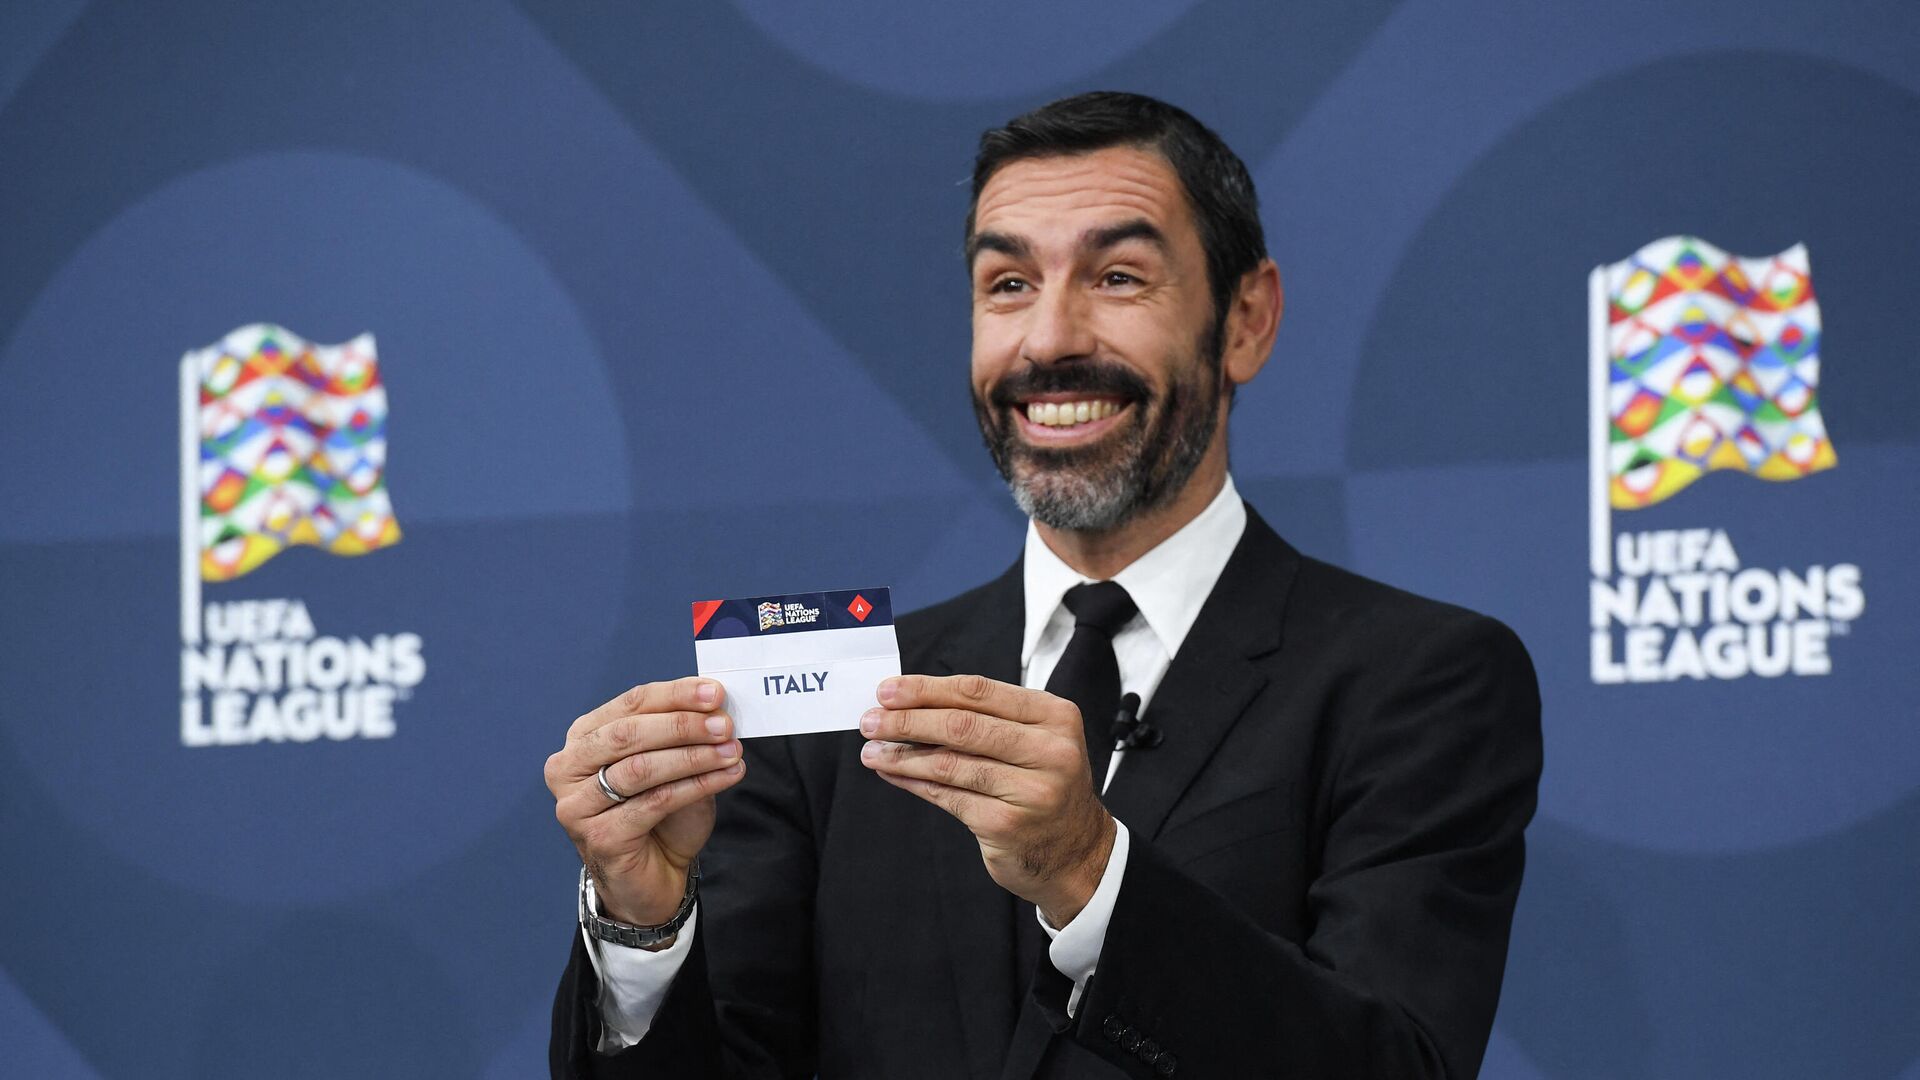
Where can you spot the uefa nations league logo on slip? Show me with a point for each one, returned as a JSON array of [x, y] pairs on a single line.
[[283, 443], [1702, 361]]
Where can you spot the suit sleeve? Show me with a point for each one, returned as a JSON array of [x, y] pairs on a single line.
[[1431, 779], [741, 1006]]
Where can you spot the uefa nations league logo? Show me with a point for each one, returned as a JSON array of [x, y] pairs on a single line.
[[1702, 361], [283, 443]]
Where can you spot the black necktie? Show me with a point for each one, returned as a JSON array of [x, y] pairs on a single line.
[[1088, 674]]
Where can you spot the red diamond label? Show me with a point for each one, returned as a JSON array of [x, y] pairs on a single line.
[[860, 608]]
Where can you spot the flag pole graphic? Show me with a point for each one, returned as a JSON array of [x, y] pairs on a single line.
[[189, 500], [1599, 509]]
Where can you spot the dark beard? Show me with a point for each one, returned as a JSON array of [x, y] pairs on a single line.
[[1138, 468]]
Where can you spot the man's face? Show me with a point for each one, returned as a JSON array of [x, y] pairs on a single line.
[[1096, 366]]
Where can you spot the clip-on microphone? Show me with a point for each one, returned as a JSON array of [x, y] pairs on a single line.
[[1129, 731]]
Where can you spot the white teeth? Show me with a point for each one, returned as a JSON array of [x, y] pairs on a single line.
[[1067, 414]]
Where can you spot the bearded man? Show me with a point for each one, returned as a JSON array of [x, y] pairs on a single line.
[[1167, 798]]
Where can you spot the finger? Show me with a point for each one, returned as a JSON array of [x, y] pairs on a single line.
[[576, 764], [584, 800], [966, 806], [631, 735], [975, 693], [994, 779], [621, 827], [691, 693], [611, 831], [961, 729], [633, 775]]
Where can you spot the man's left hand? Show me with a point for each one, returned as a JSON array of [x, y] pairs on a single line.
[[1011, 764]]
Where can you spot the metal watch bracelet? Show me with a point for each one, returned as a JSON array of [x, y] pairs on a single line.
[[635, 937]]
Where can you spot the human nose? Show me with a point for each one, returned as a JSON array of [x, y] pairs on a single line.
[[1058, 328]]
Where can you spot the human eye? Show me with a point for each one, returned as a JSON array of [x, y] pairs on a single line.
[[1008, 285], [1119, 279]]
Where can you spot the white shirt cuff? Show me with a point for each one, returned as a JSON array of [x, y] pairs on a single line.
[[1075, 951], [633, 983]]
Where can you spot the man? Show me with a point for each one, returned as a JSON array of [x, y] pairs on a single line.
[[1304, 864]]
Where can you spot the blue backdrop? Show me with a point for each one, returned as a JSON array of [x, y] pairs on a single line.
[[669, 305]]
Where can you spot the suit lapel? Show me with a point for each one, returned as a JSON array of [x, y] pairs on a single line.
[[979, 914], [1211, 681], [1207, 687]]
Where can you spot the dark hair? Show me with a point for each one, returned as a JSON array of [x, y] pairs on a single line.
[[1219, 190]]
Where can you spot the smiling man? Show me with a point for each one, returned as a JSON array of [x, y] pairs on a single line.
[[1099, 395], [1167, 798]]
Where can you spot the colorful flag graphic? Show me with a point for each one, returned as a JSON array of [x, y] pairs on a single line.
[[770, 616], [293, 448], [1713, 362]]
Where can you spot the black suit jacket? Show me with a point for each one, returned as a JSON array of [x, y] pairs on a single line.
[[1326, 851]]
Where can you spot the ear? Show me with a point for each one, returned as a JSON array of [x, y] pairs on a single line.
[[1252, 320]]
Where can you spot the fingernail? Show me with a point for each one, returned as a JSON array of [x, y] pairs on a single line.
[[734, 769], [708, 693], [716, 726], [728, 750], [870, 721], [889, 689], [870, 751]]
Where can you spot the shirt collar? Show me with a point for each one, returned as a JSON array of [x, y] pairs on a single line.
[[1169, 583]]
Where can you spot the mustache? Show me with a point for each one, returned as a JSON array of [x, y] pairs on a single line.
[[1093, 378]]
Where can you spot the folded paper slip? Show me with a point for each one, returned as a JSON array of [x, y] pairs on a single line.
[[798, 662]]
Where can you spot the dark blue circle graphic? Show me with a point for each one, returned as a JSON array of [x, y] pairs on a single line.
[[505, 469], [1470, 417], [962, 52]]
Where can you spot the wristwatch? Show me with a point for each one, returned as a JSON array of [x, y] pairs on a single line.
[[635, 937]]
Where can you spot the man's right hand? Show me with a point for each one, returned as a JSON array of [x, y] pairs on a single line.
[[669, 750]]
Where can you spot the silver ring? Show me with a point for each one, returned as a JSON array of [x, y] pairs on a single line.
[[606, 788]]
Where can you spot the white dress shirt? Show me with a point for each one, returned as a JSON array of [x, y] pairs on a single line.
[[1168, 584]]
